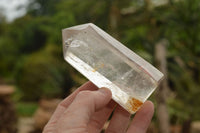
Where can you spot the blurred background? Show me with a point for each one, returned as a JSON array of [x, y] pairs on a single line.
[[34, 76]]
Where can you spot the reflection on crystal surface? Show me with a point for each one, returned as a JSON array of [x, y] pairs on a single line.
[[106, 66]]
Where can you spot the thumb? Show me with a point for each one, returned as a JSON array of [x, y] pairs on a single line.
[[88, 102]]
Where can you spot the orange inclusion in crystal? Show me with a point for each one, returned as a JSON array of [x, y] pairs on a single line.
[[135, 104], [95, 69]]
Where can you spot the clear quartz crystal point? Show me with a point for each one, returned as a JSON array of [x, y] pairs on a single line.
[[108, 63]]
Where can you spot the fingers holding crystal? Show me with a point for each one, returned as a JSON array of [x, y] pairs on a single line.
[[142, 118], [87, 103], [67, 101], [100, 117], [119, 121]]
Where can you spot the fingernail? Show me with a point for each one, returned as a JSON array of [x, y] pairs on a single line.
[[104, 90]]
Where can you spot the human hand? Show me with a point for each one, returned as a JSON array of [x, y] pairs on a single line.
[[88, 108]]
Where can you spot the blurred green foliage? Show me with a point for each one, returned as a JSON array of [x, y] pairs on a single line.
[[31, 51], [26, 108], [43, 74]]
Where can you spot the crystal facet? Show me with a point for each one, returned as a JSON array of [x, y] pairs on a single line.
[[108, 63]]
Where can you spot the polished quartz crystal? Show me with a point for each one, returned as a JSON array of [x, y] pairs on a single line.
[[108, 63]]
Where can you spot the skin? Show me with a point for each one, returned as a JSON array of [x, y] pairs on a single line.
[[88, 108]]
